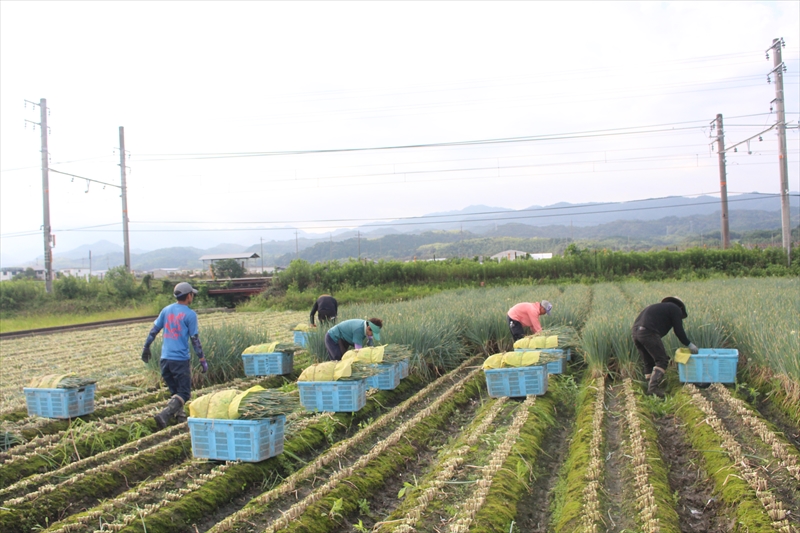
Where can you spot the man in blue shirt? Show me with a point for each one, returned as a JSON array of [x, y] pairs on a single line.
[[180, 326], [354, 332]]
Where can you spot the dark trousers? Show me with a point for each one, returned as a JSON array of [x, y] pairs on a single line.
[[516, 329], [335, 349], [178, 377], [651, 349], [327, 318]]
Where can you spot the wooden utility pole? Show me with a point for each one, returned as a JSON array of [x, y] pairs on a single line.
[[262, 254], [723, 182], [122, 168], [296, 245], [783, 162], [359, 244]]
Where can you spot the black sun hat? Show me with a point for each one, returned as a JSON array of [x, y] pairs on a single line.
[[677, 301]]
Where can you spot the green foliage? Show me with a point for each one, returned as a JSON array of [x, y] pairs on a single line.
[[122, 284], [228, 268], [16, 294], [597, 265]]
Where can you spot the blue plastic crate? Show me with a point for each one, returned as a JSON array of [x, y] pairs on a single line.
[[388, 379], [333, 396], [553, 367], [404, 368], [711, 365], [60, 403], [301, 338], [519, 381], [237, 440], [267, 364]]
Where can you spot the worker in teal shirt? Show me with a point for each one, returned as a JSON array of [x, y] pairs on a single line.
[[355, 332]]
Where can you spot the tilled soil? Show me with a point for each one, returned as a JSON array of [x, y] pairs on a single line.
[[617, 483], [697, 508], [533, 511]]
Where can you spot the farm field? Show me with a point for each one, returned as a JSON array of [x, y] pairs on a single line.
[[437, 453]]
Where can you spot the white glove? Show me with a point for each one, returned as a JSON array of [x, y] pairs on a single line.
[[693, 348]]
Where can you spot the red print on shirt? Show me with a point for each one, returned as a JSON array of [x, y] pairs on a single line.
[[172, 329]]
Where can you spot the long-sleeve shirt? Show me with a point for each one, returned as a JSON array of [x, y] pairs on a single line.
[[353, 331], [327, 307], [660, 318], [527, 314]]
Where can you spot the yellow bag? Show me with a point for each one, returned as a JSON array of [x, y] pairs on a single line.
[[50, 381], [512, 359], [328, 371], [537, 342], [682, 355], [370, 354], [493, 361], [268, 347], [302, 327], [517, 359], [222, 404]]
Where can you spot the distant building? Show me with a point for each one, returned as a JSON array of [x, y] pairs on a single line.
[[76, 272], [511, 255], [7, 273], [162, 273], [242, 258]]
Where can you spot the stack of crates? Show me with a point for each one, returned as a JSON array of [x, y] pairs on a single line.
[[60, 403], [237, 440], [710, 365], [267, 364], [345, 396], [516, 381], [301, 338]]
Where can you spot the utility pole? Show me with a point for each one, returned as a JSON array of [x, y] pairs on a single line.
[[296, 245], [723, 182], [359, 244], [262, 254], [125, 238], [46, 228], [331, 246], [90, 265], [783, 163]]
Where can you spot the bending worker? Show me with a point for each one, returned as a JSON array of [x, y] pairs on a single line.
[[180, 326], [527, 314], [326, 307], [653, 323], [355, 332]]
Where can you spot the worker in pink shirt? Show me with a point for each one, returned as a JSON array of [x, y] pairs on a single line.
[[527, 314]]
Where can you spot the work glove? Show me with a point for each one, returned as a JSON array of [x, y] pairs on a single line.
[[146, 354], [204, 365], [693, 348]]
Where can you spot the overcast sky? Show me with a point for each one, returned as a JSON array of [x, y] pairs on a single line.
[[612, 101]]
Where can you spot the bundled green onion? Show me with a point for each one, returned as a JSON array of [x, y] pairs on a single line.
[[567, 335], [362, 371], [394, 353], [266, 404], [74, 382]]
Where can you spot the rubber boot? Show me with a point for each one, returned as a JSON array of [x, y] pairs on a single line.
[[654, 386], [181, 416], [175, 404]]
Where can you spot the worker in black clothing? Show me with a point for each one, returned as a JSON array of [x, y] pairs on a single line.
[[653, 323], [326, 307]]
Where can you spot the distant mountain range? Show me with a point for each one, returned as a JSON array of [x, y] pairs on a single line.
[[473, 229]]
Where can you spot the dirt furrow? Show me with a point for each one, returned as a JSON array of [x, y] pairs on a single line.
[[616, 492], [697, 507], [533, 511]]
